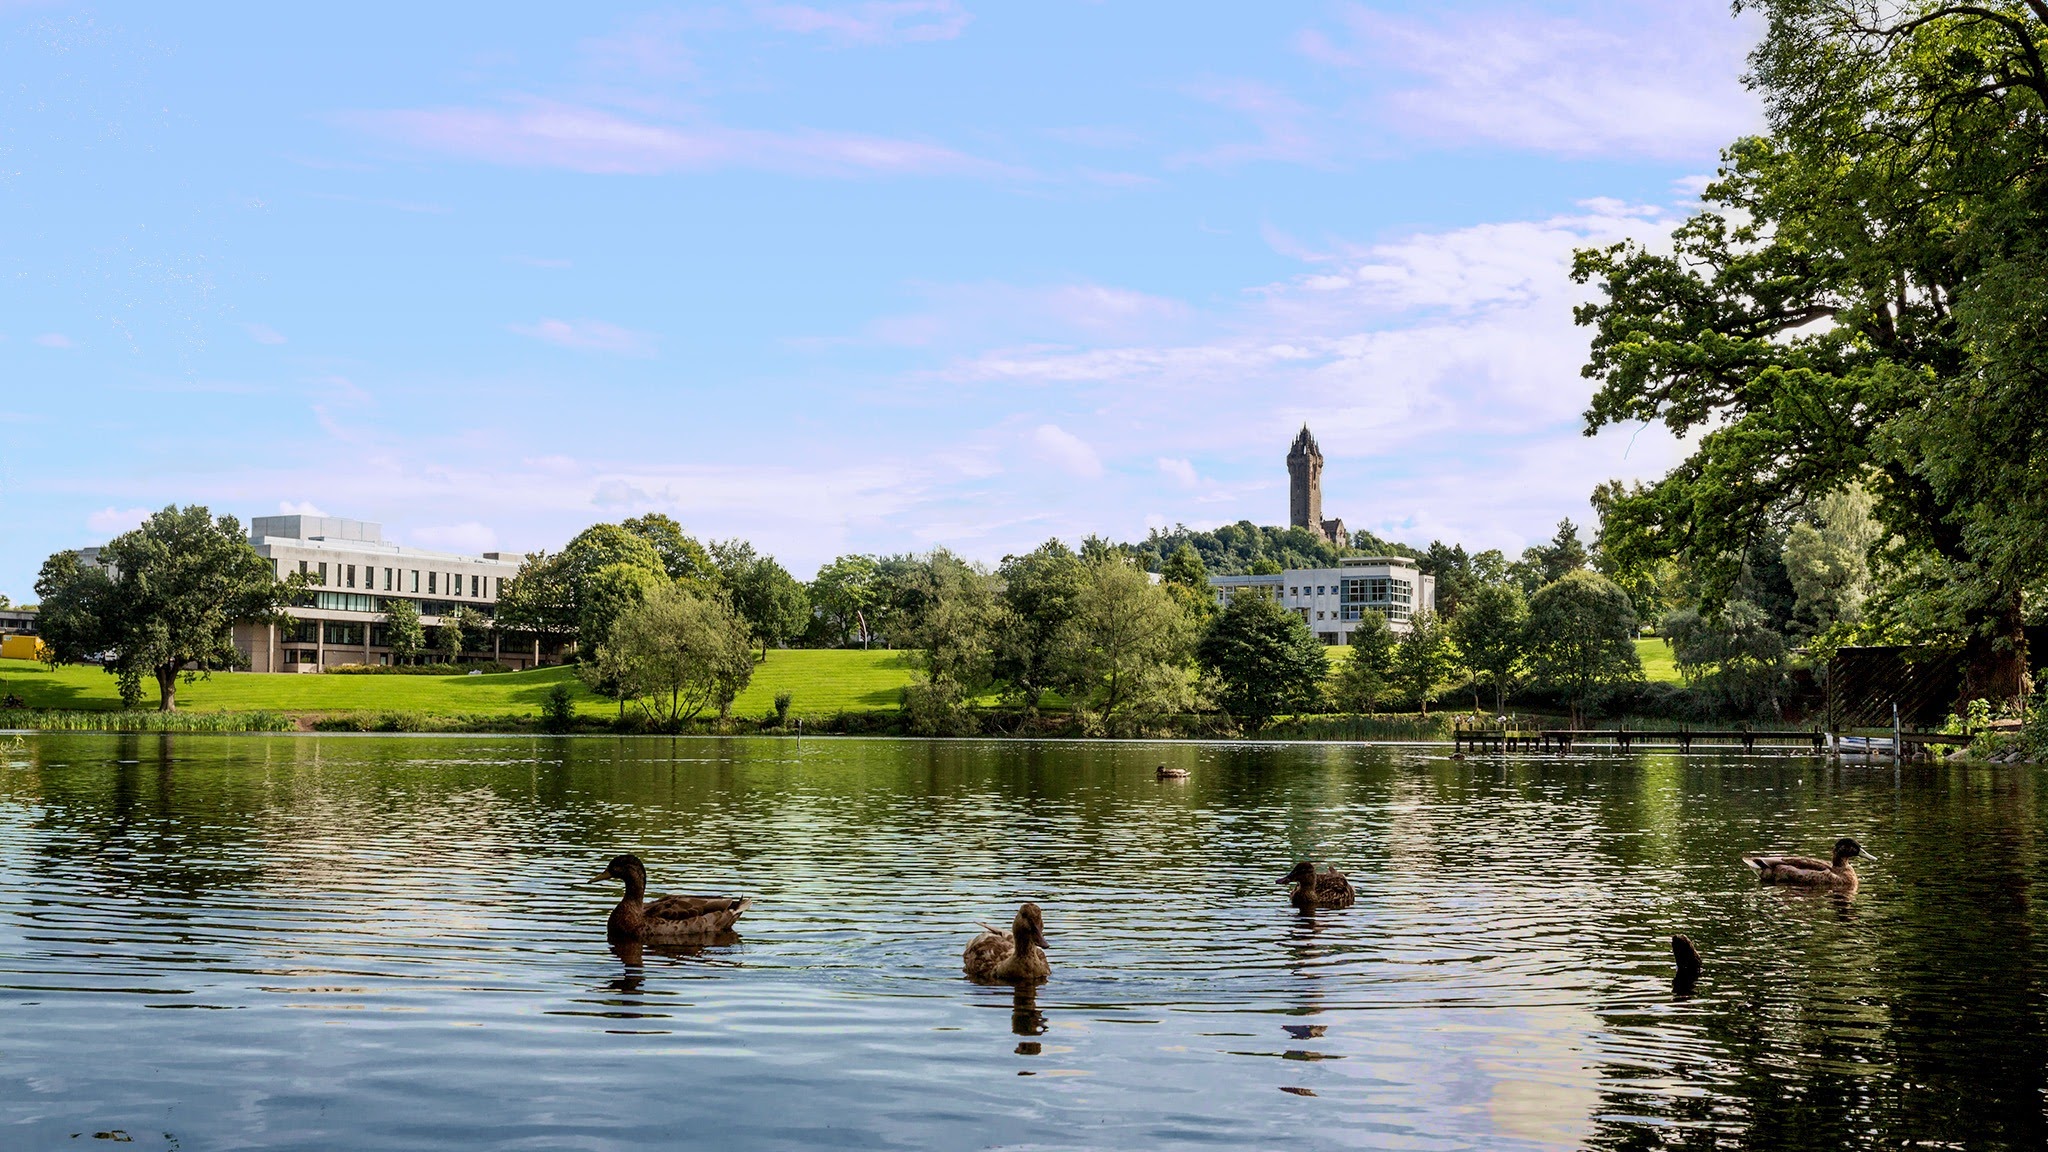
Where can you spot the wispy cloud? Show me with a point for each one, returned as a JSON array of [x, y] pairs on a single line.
[[55, 340], [1286, 129], [263, 334], [1658, 78], [590, 336], [299, 508], [585, 138], [1440, 372], [1065, 451], [114, 521], [870, 22]]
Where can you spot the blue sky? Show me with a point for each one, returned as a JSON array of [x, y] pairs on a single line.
[[868, 276]]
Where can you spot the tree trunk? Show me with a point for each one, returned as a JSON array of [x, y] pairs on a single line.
[[167, 687]]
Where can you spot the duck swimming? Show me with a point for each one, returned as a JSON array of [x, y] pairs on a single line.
[[1165, 773], [1809, 872], [665, 919], [1014, 956], [1313, 889]]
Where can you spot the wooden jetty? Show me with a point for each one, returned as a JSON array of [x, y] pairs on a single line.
[[1477, 739]]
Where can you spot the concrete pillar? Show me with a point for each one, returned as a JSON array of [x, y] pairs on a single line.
[[320, 646]]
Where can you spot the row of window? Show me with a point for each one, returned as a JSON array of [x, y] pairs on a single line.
[[345, 635], [358, 602], [395, 579]]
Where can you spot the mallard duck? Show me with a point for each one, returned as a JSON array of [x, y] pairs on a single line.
[[1313, 889], [1165, 773], [1014, 956], [1686, 957], [666, 919], [1809, 872]]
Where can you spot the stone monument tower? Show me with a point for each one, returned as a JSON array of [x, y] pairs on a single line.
[[1305, 490], [1305, 483]]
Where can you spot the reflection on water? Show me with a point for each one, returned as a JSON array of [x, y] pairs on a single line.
[[384, 943]]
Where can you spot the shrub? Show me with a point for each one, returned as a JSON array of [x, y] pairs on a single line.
[[558, 711], [782, 709]]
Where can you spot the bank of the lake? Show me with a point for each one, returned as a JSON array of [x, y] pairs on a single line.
[[829, 689]]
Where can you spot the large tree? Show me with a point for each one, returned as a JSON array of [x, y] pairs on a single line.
[[1039, 592], [682, 557], [950, 619], [164, 599], [1423, 657], [676, 653], [774, 604], [1490, 631], [1861, 301], [1582, 637], [1268, 660], [844, 592], [1363, 680], [1124, 648]]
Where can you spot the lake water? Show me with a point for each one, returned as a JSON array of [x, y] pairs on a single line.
[[388, 942]]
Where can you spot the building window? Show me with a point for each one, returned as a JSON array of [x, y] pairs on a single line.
[[432, 577], [415, 579], [323, 573], [501, 588], [302, 567], [473, 581], [387, 579], [348, 577]]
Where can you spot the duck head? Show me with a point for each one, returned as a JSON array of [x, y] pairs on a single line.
[[1029, 927], [1847, 849], [1303, 873], [627, 868]]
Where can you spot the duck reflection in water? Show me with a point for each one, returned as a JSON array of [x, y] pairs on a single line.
[[1026, 1019]]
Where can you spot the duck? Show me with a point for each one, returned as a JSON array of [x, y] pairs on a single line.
[[1165, 773], [1313, 889], [1809, 872], [1016, 956], [665, 919]]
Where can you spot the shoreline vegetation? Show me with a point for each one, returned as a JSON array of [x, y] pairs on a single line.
[[831, 692]]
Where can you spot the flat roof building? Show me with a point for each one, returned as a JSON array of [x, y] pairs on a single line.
[[354, 573], [1333, 600]]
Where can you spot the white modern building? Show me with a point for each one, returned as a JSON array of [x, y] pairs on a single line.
[[1332, 600], [354, 573]]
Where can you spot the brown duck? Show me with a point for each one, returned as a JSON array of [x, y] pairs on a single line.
[[1313, 889], [1015, 956], [1809, 872], [665, 919]]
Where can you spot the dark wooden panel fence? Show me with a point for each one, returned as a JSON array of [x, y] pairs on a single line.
[[1863, 684]]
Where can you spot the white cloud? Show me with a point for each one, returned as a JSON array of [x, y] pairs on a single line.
[[1440, 372], [263, 334], [1658, 78], [114, 521], [299, 508], [589, 336], [870, 22], [1182, 471], [1066, 451], [55, 340], [585, 138]]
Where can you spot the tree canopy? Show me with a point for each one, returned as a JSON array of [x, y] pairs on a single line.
[[163, 600], [1266, 657], [1860, 302]]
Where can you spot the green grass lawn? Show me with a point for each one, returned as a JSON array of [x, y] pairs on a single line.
[[820, 682], [1658, 666]]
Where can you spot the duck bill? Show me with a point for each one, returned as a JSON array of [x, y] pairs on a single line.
[[1862, 855], [600, 878]]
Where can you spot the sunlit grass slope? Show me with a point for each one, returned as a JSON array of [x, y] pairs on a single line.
[[820, 682]]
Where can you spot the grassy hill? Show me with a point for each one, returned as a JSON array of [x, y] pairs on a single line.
[[819, 681]]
